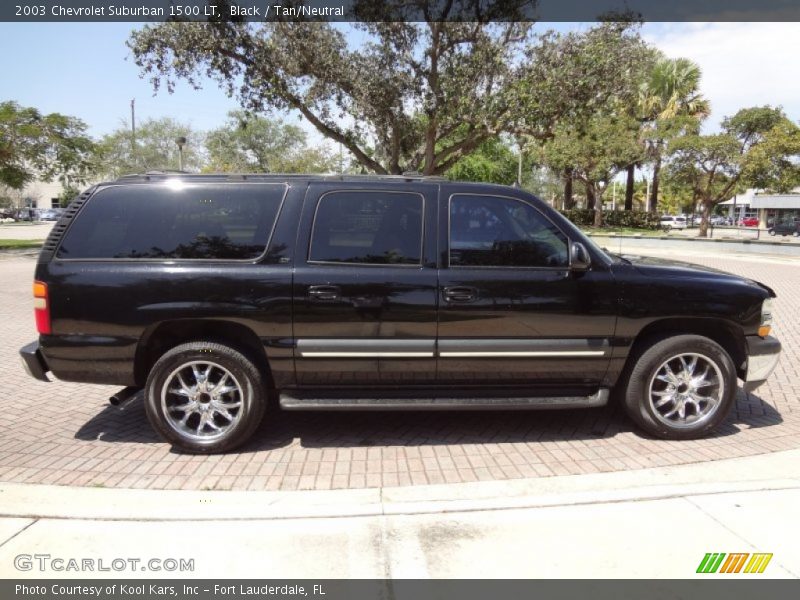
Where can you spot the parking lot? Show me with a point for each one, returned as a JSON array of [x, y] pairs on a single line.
[[67, 434]]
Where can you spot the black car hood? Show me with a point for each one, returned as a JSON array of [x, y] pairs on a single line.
[[650, 266]]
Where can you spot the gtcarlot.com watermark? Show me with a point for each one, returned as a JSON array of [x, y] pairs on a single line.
[[47, 563]]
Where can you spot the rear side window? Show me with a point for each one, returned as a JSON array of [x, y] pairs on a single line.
[[166, 220], [368, 227]]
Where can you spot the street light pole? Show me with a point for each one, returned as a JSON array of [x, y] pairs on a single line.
[[181, 142]]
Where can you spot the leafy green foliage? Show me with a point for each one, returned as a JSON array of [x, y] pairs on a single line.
[[68, 194], [670, 105], [452, 73], [572, 77], [758, 147], [154, 148], [596, 151], [44, 147], [252, 144], [492, 162]]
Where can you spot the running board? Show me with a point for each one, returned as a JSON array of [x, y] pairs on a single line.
[[288, 402]]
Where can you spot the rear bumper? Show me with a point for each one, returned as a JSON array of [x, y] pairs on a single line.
[[34, 362], [762, 357]]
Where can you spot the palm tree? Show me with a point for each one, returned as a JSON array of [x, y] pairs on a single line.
[[670, 103]]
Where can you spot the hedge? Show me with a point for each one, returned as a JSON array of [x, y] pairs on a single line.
[[584, 217]]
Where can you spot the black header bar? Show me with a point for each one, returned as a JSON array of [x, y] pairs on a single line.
[[40, 11]]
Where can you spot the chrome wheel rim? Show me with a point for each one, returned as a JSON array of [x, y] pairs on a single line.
[[686, 390], [202, 401]]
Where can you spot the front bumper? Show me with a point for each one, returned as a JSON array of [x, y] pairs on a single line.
[[34, 362], [762, 357]]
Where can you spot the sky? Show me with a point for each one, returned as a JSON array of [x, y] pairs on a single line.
[[86, 70]]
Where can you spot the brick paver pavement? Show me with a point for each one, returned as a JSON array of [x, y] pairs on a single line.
[[67, 434]]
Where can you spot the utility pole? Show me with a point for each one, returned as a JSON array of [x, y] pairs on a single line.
[[133, 129]]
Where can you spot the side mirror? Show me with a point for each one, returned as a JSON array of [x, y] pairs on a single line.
[[579, 259]]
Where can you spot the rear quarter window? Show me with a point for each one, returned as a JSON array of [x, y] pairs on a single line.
[[169, 221]]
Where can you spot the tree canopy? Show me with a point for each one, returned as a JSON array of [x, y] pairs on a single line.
[[38, 146], [757, 147], [249, 143], [153, 148], [405, 91], [594, 152], [412, 95]]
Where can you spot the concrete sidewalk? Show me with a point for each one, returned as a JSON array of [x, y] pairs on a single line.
[[26, 231], [648, 523]]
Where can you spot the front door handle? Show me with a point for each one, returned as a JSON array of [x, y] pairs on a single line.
[[460, 294], [324, 292]]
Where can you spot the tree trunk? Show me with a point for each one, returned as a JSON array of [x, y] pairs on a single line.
[[590, 200], [569, 200], [598, 208], [629, 187], [653, 201], [704, 220]]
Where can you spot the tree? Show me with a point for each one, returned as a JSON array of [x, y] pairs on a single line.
[[492, 162], [671, 105], [252, 144], [153, 149], [576, 75], [757, 147], [595, 152], [421, 94], [36, 146], [573, 76]]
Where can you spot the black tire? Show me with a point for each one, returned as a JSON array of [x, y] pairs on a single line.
[[772, 232], [648, 363], [176, 365]]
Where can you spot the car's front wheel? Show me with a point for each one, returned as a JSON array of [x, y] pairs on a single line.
[[772, 232], [680, 387], [205, 397]]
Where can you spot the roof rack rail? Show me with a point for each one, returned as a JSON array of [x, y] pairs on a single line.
[[406, 176]]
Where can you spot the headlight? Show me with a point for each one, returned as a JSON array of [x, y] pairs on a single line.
[[766, 318]]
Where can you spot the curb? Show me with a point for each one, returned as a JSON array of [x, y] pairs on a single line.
[[778, 471]]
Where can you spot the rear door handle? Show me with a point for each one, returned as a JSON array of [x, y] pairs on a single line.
[[324, 292], [460, 294]]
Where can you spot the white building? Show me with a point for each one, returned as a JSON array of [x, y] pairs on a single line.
[[774, 208], [739, 206], [767, 207], [41, 194]]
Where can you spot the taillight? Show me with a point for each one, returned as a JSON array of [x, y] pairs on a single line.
[[41, 307]]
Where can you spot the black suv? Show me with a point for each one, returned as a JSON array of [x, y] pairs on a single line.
[[222, 294]]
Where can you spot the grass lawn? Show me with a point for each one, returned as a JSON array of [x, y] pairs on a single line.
[[20, 244]]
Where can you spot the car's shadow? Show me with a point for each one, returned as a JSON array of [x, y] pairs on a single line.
[[368, 429]]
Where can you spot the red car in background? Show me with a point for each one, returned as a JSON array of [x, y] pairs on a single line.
[[749, 222]]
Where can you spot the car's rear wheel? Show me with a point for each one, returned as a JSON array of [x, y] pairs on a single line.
[[796, 233], [205, 397], [681, 387], [772, 232]]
